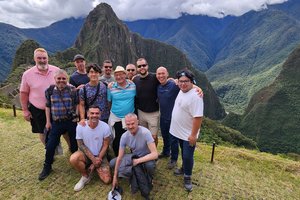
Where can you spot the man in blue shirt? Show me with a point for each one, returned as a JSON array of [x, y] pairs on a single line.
[[79, 78], [121, 97]]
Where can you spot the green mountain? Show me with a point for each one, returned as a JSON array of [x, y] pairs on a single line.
[[104, 36], [273, 114]]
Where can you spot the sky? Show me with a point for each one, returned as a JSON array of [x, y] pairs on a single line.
[[41, 13]]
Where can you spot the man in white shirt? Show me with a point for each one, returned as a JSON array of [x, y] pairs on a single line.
[[186, 122]]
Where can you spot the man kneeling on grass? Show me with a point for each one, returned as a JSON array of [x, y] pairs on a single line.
[[93, 141]]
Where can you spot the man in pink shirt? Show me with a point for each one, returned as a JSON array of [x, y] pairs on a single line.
[[32, 91]]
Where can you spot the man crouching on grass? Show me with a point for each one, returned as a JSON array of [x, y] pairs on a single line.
[[93, 141]]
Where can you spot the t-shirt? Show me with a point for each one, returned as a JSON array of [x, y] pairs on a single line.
[[166, 98], [138, 143], [93, 138], [35, 84], [101, 99], [77, 79], [146, 93], [122, 99], [187, 106], [107, 79]]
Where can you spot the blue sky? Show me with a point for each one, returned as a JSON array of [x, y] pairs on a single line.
[[40, 13]]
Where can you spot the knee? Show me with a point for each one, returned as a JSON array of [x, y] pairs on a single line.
[[74, 159]]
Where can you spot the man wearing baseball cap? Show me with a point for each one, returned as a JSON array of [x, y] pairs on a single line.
[[79, 78]]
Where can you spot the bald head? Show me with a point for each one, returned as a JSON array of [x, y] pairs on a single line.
[[162, 75]]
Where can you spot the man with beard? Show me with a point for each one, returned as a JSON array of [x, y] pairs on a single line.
[[32, 91], [61, 105], [79, 78], [107, 69], [146, 98], [131, 71], [93, 141]]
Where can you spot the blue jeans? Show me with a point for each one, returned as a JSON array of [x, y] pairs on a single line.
[[170, 142], [187, 154], [57, 129]]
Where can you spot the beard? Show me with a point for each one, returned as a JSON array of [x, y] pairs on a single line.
[[42, 66]]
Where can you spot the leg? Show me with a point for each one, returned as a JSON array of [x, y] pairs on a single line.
[[104, 172], [164, 128], [78, 162], [188, 158], [118, 133], [67, 139], [71, 129], [152, 120], [150, 167], [174, 148]]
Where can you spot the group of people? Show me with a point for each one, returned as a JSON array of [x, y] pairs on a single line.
[[100, 108]]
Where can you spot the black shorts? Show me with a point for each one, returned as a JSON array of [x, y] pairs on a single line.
[[38, 119]]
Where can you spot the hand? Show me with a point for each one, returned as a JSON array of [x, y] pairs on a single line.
[[199, 91], [48, 125], [82, 122], [97, 162], [91, 168], [135, 162], [192, 140], [27, 115], [80, 86], [109, 86]]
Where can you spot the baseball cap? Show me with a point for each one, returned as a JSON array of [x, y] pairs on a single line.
[[78, 56]]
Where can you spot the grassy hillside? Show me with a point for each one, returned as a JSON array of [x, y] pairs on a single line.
[[236, 173]]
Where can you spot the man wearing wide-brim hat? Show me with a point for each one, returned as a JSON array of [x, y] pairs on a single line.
[[121, 96]]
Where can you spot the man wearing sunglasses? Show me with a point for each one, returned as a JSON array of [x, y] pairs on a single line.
[[131, 71], [107, 69], [146, 98]]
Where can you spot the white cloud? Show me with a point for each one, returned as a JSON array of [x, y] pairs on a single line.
[[38, 13]]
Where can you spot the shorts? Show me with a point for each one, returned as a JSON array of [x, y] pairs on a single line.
[[38, 119], [149, 120]]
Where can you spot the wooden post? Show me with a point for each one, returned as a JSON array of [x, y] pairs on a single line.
[[213, 152], [14, 109]]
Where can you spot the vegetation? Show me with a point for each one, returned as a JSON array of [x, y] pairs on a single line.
[[236, 173]]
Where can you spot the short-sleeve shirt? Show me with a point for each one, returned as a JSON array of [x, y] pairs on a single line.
[[122, 99], [107, 80], [166, 95], [187, 106], [146, 93], [77, 79], [101, 99], [61, 102], [93, 138], [138, 143], [35, 84]]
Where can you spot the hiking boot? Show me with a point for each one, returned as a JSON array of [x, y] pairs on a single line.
[[172, 164], [59, 150], [178, 172], [188, 183], [45, 173], [81, 183], [161, 155]]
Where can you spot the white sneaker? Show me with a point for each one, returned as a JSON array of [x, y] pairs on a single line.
[[81, 183], [59, 150]]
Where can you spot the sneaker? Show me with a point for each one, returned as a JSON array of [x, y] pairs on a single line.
[[45, 173], [161, 155], [188, 183], [59, 150], [172, 164], [178, 172], [81, 183]]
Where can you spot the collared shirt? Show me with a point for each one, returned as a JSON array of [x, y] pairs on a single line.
[[35, 83], [122, 98], [61, 102]]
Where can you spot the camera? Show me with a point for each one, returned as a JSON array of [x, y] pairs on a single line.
[[72, 115]]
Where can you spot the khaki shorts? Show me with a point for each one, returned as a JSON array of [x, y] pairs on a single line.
[[149, 120]]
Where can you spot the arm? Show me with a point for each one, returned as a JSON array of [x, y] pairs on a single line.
[[151, 156], [24, 99], [197, 121], [48, 117], [103, 149], [81, 113], [118, 163], [85, 150]]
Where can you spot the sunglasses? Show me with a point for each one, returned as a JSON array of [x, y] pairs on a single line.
[[130, 70], [144, 65], [108, 67], [61, 78]]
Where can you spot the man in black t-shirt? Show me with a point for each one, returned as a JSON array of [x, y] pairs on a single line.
[[146, 98]]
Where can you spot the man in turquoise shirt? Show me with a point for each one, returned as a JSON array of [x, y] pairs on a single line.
[[121, 96]]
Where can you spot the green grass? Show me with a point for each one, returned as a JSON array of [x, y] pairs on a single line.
[[236, 173]]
